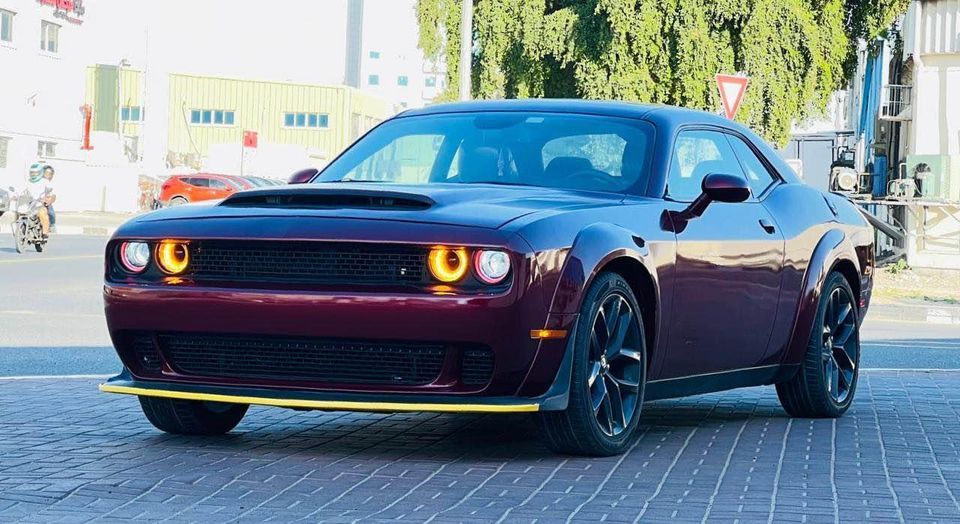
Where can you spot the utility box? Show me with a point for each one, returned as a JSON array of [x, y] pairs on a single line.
[[939, 175]]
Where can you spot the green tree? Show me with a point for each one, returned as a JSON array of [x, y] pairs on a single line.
[[796, 52]]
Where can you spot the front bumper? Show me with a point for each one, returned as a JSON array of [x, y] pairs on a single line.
[[126, 384], [523, 367]]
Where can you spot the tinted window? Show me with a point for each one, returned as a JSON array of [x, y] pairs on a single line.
[[757, 174], [199, 182], [535, 149], [697, 154], [217, 184]]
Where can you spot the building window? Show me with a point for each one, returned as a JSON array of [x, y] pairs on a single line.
[[131, 114], [375, 55], [6, 25], [430, 81], [306, 120], [373, 80], [212, 117], [46, 149], [4, 143], [49, 37], [403, 81]]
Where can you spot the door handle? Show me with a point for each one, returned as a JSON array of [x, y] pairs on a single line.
[[767, 226]]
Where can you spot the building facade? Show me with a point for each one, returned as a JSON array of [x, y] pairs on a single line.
[[41, 78]]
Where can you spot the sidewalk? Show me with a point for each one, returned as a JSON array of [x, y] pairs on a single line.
[[80, 223]]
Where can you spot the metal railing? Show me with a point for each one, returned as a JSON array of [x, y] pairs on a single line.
[[895, 102]]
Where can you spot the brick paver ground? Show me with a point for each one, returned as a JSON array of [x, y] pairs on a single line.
[[69, 453]]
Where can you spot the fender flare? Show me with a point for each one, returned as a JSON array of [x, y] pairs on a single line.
[[595, 247], [833, 247]]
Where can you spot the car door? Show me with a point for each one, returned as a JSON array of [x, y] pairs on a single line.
[[220, 188], [728, 266]]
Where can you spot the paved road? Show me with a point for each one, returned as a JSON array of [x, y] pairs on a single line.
[[728, 457], [70, 453], [70, 336]]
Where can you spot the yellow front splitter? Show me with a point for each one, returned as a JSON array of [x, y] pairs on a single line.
[[333, 405]]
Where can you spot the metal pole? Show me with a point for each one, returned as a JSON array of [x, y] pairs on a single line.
[[466, 48]]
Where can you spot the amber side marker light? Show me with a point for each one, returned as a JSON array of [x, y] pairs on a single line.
[[539, 334], [173, 257], [448, 265]]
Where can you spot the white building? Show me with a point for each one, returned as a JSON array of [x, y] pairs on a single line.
[[931, 128], [42, 68], [391, 64]]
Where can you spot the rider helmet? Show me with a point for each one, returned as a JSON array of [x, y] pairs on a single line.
[[36, 171]]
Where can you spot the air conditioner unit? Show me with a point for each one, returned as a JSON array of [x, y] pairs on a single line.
[[938, 176]]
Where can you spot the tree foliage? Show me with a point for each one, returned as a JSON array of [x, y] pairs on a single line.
[[796, 52]]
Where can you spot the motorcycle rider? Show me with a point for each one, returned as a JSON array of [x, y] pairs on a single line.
[[48, 173], [40, 188]]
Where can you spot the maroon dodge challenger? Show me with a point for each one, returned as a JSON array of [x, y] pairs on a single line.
[[569, 258]]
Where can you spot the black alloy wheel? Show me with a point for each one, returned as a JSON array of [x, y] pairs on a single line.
[[826, 382], [609, 367], [615, 365]]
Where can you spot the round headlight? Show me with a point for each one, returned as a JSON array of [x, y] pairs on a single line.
[[448, 265], [173, 257], [492, 266], [134, 256]]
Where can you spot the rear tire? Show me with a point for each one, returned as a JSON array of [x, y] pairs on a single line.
[[178, 201], [827, 380], [39, 247], [192, 417], [608, 376]]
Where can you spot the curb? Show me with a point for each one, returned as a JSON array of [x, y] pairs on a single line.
[[948, 314]]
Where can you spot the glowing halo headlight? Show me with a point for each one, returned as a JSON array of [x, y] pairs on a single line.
[[492, 266], [173, 257], [134, 256], [448, 264]]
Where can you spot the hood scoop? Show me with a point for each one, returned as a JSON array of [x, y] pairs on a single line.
[[310, 198]]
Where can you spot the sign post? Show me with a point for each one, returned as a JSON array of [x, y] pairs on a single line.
[[250, 140], [732, 88]]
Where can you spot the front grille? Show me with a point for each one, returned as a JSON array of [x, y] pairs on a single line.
[[145, 351], [307, 262], [303, 359], [477, 367]]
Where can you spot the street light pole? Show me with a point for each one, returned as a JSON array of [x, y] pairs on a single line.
[[466, 48], [123, 63]]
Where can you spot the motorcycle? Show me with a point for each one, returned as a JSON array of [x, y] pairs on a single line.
[[26, 222]]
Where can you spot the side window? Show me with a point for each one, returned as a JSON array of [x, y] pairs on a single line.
[[757, 174], [696, 155], [217, 184], [199, 182]]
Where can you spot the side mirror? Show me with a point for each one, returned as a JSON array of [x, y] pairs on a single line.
[[303, 176], [725, 188], [716, 187]]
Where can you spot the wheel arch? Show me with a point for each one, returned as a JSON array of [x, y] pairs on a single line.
[[834, 252], [605, 247]]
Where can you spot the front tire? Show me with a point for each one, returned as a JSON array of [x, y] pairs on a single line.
[[827, 380], [192, 417], [608, 376]]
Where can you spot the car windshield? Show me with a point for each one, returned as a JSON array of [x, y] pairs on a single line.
[[532, 149]]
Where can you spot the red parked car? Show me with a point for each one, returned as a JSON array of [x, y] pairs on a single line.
[[183, 189]]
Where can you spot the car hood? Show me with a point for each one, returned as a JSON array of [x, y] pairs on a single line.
[[477, 205]]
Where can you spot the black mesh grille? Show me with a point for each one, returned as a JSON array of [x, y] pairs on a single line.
[[477, 367], [307, 262], [145, 352], [307, 359]]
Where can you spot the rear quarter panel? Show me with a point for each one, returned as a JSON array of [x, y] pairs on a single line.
[[816, 239]]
